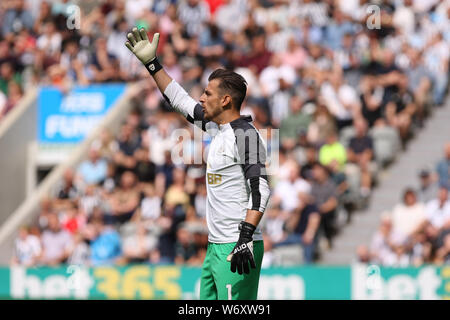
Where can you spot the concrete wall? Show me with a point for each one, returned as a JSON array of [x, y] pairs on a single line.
[[17, 131]]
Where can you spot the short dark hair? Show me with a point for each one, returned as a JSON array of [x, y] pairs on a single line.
[[407, 191], [232, 83]]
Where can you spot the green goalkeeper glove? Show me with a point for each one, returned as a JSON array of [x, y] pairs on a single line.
[[140, 45]]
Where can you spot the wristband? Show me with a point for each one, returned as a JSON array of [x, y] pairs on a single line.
[[247, 229], [153, 66]]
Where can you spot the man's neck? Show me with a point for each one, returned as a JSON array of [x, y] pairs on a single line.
[[224, 118]]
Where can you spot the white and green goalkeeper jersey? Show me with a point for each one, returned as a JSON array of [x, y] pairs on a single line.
[[236, 176]]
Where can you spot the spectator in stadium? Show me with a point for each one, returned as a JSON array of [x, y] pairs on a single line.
[[44, 14], [118, 28], [57, 77], [337, 28], [363, 254], [399, 256], [46, 208], [443, 167], [27, 249], [294, 55], [307, 32], [161, 141], [185, 249], [323, 191], [322, 123], [403, 17], [110, 182], [93, 170], [56, 243], [128, 141], [90, 199], [428, 186], [401, 109], [437, 59], [73, 61], [49, 43], [340, 180], [319, 63], [125, 200], [340, 98], [421, 250], [176, 194], [106, 144], [371, 101], [419, 81], [105, 243], [72, 220], [277, 37], [138, 244], [332, 150], [231, 10], [443, 253], [388, 74], [14, 95], [194, 14], [149, 210], [104, 66], [171, 65], [291, 192], [347, 57], [302, 227], [276, 84], [79, 251], [16, 17], [258, 57], [438, 213], [167, 18], [297, 122], [360, 155], [3, 100], [8, 74], [273, 224], [211, 42], [408, 217], [311, 155], [382, 240]]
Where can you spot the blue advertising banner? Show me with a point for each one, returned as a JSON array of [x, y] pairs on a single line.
[[68, 118]]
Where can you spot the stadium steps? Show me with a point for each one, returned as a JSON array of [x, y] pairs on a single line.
[[424, 150]]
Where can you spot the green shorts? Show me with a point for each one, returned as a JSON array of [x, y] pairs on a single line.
[[217, 280]]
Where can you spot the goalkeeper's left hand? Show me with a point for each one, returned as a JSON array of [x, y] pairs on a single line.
[[140, 45], [242, 254]]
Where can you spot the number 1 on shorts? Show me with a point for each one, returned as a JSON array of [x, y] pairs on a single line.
[[228, 286]]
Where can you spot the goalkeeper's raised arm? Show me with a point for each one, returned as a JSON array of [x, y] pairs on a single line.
[[139, 44]]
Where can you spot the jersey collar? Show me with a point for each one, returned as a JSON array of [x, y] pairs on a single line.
[[245, 117], [224, 126]]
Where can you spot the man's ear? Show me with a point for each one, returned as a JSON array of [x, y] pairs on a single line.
[[226, 101]]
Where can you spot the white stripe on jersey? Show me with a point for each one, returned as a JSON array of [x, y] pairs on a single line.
[[179, 99]]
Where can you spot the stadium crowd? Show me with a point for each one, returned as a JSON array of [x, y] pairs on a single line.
[[417, 230], [347, 86]]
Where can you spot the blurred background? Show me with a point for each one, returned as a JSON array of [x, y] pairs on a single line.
[[94, 206]]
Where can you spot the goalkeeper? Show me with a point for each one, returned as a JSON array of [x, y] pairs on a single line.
[[237, 185]]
